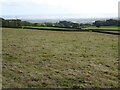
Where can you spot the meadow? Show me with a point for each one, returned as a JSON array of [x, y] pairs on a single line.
[[53, 59], [50, 28], [104, 27]]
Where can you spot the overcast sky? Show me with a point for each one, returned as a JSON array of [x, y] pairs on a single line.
[[59, 8]]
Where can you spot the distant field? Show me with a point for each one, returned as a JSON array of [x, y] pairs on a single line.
[[51, 59], [109, 28], [104, 27], [57, 28]]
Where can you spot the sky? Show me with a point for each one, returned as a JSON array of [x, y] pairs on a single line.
[[58, 8]]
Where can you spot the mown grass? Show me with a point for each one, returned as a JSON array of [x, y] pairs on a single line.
[[51, 59], [104, 27]]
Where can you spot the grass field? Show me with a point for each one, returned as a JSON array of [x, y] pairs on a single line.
[[54, 28], [51, 59], [104, 27]]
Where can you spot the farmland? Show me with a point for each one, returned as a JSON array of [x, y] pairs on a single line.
[[104, 27], [53, 59]]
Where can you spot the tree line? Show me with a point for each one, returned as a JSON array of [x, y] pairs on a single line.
[[17, 23], [14, 23], [110, 22], [62, 24]]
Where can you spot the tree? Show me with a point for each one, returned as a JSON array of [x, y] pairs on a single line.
[[65, 23], [35, 24], [48, 24], [98, 24], [75, 25], [110, 22]]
